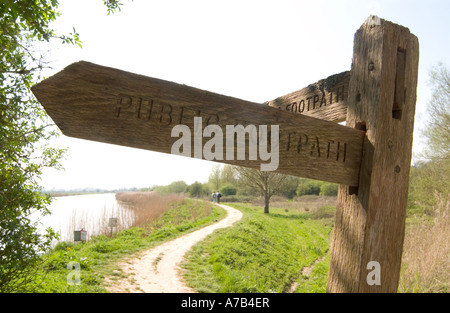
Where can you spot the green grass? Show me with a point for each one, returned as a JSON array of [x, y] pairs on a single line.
[[262, 252], [97, 257], [317, 281]]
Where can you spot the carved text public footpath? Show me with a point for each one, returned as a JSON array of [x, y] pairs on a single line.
[[187, 121]]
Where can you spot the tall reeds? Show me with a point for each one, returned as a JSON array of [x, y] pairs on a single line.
[[100, 224], [132, 209], [426, 252], [148, 206]]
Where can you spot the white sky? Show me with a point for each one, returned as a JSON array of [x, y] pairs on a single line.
[[253, 50]]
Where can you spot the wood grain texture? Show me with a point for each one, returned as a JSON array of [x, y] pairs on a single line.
[[370, 219], [103, 104], [325, 99]]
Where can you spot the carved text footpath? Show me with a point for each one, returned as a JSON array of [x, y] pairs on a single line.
[[306, 104]]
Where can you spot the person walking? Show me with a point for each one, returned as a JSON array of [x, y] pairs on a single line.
[[214, 196], [218, 195]]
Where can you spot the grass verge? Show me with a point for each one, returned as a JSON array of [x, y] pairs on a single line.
[[261, 253]]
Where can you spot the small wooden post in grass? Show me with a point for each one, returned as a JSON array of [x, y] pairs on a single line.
[[370, 219]]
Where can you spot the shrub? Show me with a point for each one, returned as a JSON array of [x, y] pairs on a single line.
[[328, 189], [196, 189], [308, 187], [63, 245], [228, 190]]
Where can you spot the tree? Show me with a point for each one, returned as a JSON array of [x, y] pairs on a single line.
[[228, 175], [174, 187], [328, 189], [266, 183], [429, 178], [177, 187], [290, 187], [24, 136], [196, 189], [214, 178], [437, 130]]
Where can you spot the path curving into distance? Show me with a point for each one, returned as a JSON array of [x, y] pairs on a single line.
[[156, 270]]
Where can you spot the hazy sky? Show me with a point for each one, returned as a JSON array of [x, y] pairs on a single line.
[[253, 50]]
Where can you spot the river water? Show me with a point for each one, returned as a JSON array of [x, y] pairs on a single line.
[[88, 212]]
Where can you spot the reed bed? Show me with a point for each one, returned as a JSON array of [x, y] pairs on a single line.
[[148, 206], [134, 209], [426, 252], [100, 225]]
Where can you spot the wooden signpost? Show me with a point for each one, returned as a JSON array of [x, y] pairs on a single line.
[[298, 133]]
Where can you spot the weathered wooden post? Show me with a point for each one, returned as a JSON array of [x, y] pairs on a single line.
[[370, 218]]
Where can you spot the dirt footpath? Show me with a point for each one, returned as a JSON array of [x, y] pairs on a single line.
[[156, 270]]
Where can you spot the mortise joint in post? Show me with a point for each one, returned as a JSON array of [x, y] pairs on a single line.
[[400, 90], [353, 190]]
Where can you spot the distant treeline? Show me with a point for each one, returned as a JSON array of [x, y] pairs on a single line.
[[223, 179], [84, 191]]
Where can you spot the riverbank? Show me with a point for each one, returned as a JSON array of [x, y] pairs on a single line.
[[82, 267]]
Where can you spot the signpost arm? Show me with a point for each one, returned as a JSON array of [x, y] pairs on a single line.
[[370, 219], [325, 99], [99, 103]]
